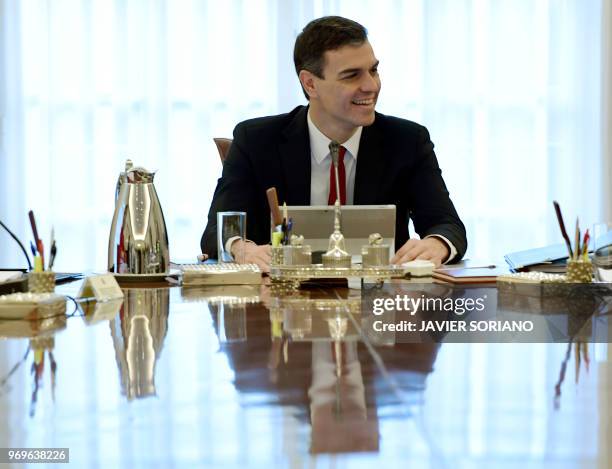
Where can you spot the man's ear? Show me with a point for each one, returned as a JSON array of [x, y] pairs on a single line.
[[307, 80]]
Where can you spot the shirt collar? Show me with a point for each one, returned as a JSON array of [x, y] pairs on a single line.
[[319, 143]]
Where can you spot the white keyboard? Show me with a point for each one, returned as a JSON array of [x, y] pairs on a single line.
[[221, 274]]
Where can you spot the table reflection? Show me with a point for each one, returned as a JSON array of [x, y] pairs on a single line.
[[138, 334], [305, 349], [39, 353], [259, 376]]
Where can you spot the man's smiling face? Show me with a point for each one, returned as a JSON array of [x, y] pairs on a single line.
[[345, 97]]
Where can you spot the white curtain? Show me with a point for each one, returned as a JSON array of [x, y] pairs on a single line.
[[606, 54], [510, 90]]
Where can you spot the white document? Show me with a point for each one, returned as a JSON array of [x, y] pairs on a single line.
[[8, 275]]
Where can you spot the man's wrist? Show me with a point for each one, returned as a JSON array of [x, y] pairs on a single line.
[[229, 243], [232, 244], [452, 251]]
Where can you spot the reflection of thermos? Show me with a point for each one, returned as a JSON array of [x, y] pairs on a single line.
[[138, 241], [140, 358], [138, 334]]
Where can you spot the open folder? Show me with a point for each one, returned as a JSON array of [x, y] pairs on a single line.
[[468, 275], [553, 255]]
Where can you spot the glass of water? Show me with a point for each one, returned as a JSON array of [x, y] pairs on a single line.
[[602, 251], [230, 225]]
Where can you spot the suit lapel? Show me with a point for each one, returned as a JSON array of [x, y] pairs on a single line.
[[295, 160], [370, 166]]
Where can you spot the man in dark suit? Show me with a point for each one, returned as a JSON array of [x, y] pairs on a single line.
[[386, 160]]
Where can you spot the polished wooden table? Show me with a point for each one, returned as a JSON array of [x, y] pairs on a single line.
[[257, 377]]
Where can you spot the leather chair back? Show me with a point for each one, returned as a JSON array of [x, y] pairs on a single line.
[[223, 145]]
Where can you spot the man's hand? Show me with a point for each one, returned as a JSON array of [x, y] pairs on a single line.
[[247, 252], [433, 249]]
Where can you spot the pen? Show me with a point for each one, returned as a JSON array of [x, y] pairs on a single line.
[[53, 249], [38, 265], [33, 249], [585, 243], [577, 252], [277, 239], [33, 225], [41, 252], [285, 224], [53, 254], [37, 241], [562, 226]]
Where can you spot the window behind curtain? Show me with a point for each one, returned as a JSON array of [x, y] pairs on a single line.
[[510, 92]]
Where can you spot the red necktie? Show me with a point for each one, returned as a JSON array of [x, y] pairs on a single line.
[[331, 200]]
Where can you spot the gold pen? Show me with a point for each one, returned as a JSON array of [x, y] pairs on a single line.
[[577, 250]]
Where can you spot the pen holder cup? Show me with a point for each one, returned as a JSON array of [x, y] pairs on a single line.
[[41, 282], [579, 271]]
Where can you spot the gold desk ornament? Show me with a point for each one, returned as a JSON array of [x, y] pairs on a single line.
[[288, 268], [296, 240], [336, 255], [297, 253], [375, 253]]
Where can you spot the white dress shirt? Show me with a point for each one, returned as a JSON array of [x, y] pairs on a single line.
[[321, 161]]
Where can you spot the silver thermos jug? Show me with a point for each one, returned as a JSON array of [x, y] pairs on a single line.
[[138, 241]]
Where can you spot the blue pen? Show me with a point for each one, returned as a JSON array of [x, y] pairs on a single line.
[[33, 249], [284, 231]]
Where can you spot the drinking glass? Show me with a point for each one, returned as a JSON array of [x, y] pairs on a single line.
[[602, 251], [230, 225]]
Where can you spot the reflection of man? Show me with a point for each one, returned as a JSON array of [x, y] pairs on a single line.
[[386, 160], [341, 419]]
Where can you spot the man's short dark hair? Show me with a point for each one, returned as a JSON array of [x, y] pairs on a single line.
[[321, 35]]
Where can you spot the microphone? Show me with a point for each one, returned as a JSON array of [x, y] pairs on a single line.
[[334, 149], [18, 242]]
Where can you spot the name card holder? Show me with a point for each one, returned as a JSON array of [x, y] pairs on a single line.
[[100, 298]]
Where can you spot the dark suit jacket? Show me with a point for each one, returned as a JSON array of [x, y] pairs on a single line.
[[396, 164]]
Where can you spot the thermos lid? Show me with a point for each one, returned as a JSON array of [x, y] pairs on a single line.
[[140, 175]]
